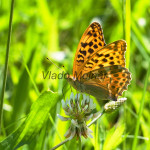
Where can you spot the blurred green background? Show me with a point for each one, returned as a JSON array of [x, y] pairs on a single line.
[[53, 28]]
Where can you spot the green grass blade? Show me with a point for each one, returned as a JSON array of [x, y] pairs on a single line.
[[139, 40], [128, 31], [127, 26], [22, 92], [53, 123], [114, 138], [6, 62], [33, 124], [30, 76], [140, 111]]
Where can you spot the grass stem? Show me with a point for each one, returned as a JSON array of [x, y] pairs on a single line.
[[6, 63], [140, 111]]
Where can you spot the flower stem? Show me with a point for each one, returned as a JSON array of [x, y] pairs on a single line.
[[80, 144], [95, 119], [63, 142]]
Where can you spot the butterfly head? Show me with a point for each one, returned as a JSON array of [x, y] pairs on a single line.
[[71, 79]]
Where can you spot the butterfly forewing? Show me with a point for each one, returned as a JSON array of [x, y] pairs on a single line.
[[111, 54], [91, 41]]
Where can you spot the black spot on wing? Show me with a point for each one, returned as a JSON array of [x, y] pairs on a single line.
[[90, 50], [91, 43], [111, 63], [89, 33], [95, 46], [80, 60], [107, 55], [80, 56], [88, 63], [100, 44], [82, 52], [111, 58], [104, 60], [101, 65], [95, 35], [99, 55], [83, 44]]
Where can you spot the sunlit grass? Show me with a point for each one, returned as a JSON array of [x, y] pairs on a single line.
[[41, 28], [6, 65]]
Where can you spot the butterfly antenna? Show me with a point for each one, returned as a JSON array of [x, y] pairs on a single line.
[[64, 69], [53, 63]]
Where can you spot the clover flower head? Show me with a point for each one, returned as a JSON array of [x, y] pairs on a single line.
[[79, 110], [113, 105]]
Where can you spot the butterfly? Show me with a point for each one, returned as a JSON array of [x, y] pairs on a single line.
[[99, 69]]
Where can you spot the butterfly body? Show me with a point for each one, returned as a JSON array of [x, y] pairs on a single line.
[[99, 69], [99, 93]]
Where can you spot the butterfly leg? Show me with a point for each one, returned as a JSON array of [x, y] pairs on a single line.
[[63, 90], [71, 88], [110, 94], [109, 89], [114, 98]]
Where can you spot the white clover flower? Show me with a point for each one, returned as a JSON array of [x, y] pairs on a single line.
[[78, 113]]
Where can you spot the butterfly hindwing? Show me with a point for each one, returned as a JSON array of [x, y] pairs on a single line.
[[113, 79]]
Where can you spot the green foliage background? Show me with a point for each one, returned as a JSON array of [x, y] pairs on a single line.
[[53, 28]]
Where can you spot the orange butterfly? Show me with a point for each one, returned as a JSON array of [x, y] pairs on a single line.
[[99, 69]]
